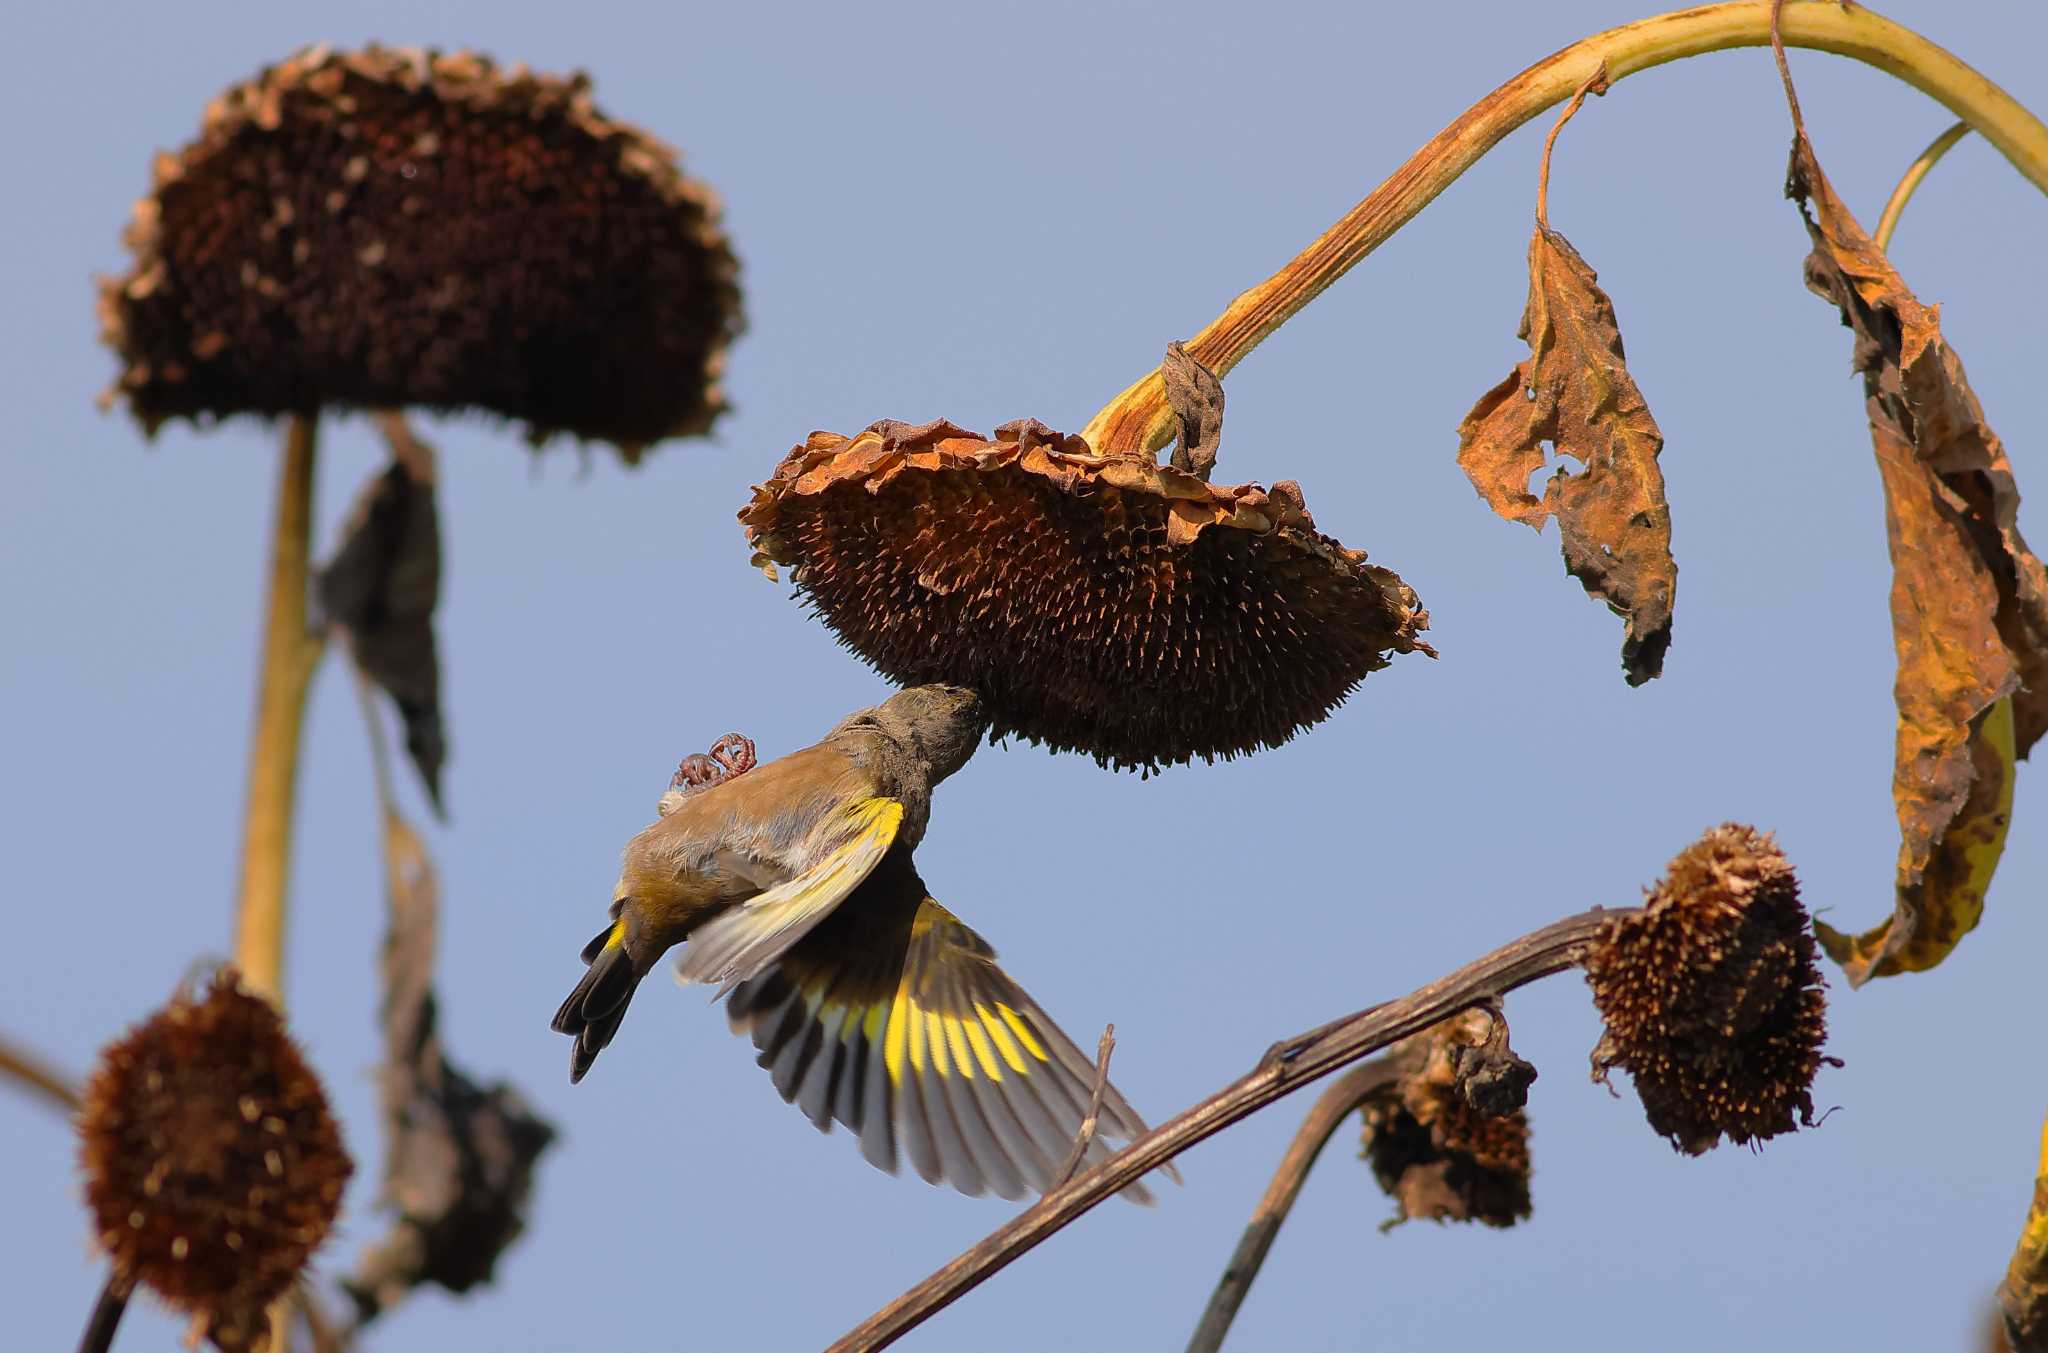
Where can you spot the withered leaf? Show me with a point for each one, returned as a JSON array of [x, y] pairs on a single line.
[[381, 588], [1195, 395], [459, 1158], [1434, 1152], [1574, 391], [1969, 601]]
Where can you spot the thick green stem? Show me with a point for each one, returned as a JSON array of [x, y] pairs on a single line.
[[290, 655], [1139, 418]]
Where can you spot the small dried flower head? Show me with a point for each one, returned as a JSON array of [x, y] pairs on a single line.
[[1435, 1154], [390, 228], [213, 1167], [1711, 997], [1104, 604]]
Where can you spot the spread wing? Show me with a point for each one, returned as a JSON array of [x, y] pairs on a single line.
[[896, 1021], [741, 941]]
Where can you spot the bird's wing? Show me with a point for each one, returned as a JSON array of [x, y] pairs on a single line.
[[895, 1021], [742, 940]]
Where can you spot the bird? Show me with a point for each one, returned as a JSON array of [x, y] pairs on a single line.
[[792, 887]]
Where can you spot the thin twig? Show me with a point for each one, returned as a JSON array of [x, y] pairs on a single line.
[[106, 1316], [380, 757], [406, 446], [1916, 171], [327, 1336], [1087, 1133], [1596, 83], [1286, 1067], [1332, 1107], [33, 1072], [1140, 417], [1784, 68]]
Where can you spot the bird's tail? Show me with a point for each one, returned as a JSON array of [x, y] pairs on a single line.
[[596, 1007], [894, 1020]]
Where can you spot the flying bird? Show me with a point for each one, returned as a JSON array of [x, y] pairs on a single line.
[[792, 887]]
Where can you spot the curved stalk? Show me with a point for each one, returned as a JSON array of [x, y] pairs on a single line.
[[1139, 418], [290, 654], [1916, 171], [1345, 1095]]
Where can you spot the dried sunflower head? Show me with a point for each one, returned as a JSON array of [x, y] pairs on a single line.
[[1435, 1154], [1104, 604], [389, 227], [213, 1167], [1711, 997]]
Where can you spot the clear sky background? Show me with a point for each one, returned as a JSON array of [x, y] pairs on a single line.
[[987, 213]]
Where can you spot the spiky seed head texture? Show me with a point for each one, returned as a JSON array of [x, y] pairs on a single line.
[[213, 1165], [396, 227], [1711, 996], [1103, 604]]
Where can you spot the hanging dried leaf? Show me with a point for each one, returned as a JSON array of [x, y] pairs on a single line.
[[459, 1158], [1434, 1152], [1573, 392], [1195, 395], [1969, 601], [381, 588]]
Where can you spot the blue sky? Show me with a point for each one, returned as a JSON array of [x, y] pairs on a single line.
[[984, 213]]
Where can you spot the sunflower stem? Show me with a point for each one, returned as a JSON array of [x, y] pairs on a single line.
[[1331, 1108], [106, 1316], [31, 1071], [1908, 182], [1140, 420], [290, 655], [1286, 1067]]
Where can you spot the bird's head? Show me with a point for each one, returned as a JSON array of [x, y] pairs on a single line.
[[940, 725]]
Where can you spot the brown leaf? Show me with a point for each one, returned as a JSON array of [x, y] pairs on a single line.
[[1574, 392], [1969, 601], [381, 588], [1435, 1153], [459, 1157], [1195, 395]]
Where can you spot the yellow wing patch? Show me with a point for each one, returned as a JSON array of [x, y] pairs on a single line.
[[999, 1034], [928, 1052], [744, 940]]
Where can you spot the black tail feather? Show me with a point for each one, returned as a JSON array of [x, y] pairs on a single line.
[[597, 1006]]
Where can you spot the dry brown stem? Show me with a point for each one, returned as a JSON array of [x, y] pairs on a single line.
[[1086, 1134], [37, 1075], [1331, 1108], [1287, 1066]]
